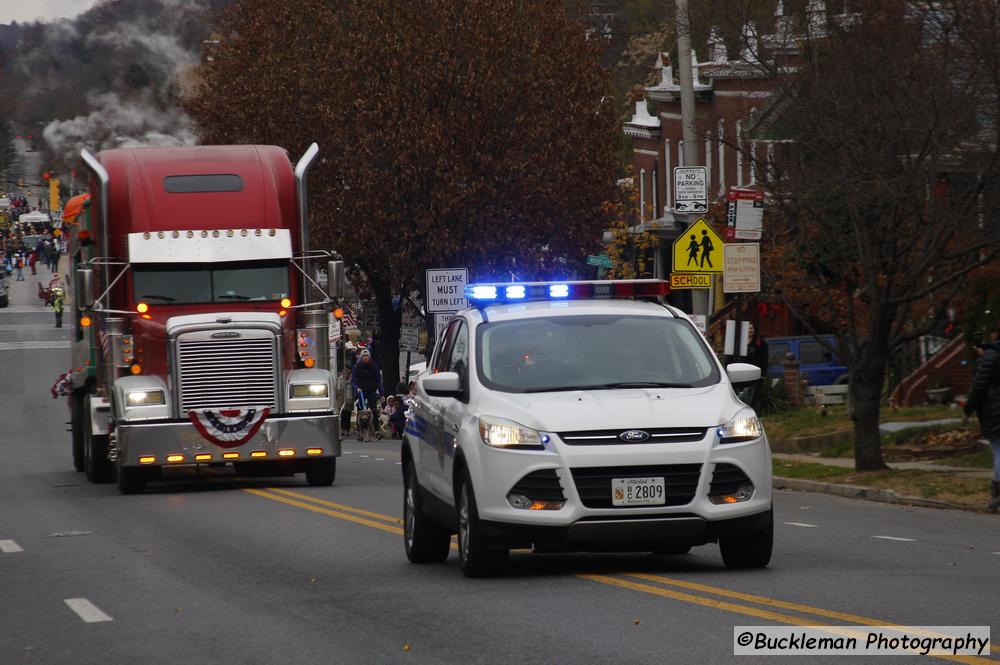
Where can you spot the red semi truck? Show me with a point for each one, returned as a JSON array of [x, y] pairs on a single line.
[[194, 341]]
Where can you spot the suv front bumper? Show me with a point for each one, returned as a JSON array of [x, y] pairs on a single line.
[[623, 534]]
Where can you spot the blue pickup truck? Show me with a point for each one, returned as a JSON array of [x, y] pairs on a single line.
[[818, 365]]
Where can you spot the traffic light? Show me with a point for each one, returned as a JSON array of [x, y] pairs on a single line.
[[54, 204]]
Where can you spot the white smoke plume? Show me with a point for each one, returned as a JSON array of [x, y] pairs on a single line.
[[150, 42], [115, 123]]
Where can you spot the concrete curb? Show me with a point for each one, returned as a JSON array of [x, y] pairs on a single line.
[[865, 493]]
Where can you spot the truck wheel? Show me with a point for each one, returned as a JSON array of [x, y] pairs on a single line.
[[321, 472], [131, 480], [475, 558], [424, 541], [753, 551], [76, 425], [95, 453]]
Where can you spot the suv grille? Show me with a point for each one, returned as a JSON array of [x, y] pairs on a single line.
[[593, 484], [541, 485], [609, 437], [726, 479], [227, 373]]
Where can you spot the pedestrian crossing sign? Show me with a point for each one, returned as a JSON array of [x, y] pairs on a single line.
[[698, 249]]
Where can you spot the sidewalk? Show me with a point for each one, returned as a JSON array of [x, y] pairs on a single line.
[[848, 464]]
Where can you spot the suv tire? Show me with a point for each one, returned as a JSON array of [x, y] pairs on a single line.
[[753, 551], [131, 480], [424, 541], [476, 559]]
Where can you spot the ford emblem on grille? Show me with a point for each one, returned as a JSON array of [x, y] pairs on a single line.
[[634, 435], [226, 334]]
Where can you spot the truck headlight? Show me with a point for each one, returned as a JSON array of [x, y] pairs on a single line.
[[745, 426], [500, 433], [144, 397], [310, 390]]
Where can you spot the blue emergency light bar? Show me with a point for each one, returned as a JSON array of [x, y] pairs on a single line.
[[486, 294]]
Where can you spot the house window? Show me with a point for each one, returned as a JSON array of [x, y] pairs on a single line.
[[667, 175], [722, 157], [654, 187], [642, 195]]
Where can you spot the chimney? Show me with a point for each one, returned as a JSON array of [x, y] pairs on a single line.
[[816, 19], [751, 44], [666, 70], [717, 47]]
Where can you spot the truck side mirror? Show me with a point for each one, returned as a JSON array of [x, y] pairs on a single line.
[[84, 287], [336, 279]]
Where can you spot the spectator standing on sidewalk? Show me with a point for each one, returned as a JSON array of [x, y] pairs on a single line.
[[984, 401]]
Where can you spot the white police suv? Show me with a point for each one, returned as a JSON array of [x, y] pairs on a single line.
[[577, 416]]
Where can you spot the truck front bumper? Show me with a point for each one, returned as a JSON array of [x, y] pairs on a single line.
[[177, 442]]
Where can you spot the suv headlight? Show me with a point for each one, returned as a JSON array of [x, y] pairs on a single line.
[[500, 433], [746, 426], [309, 390], [144, 397]]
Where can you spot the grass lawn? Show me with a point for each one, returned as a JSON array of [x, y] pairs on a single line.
[[942, 486], [981, 460], [808, 421]]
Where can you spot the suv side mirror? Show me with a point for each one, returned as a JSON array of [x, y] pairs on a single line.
[[442, 384], [84, 287], [336, 279], [743, 373]]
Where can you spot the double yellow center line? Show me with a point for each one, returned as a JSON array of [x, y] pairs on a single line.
[[657, 585]]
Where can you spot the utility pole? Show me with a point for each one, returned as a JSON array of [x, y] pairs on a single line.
[[699, 297]]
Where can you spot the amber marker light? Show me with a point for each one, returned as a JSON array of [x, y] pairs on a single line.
[[86, 321], [136, 369], [309, 362], [338, 313], [286, 302], [203, 457], [175, 458], [314, 451], [230, 455], [286, 452], [147, 459], [282, 313], [146, 316], [258, 453], [142, 308]]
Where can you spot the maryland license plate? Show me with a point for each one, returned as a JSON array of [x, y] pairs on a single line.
[[638, 492]]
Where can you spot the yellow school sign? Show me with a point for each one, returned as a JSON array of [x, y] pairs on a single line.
[[698, 249]]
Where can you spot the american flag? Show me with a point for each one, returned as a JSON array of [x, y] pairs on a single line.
[[350, 318]]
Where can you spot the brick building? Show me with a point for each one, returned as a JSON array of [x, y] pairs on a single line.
[[734, 94]]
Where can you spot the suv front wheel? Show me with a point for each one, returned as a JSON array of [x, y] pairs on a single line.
[[752, 551], [477, 560], [425, 541]]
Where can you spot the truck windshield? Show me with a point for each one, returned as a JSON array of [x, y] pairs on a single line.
[[593, 352], [207, 283]]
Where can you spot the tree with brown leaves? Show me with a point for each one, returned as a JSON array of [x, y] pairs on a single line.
[[453, 134]]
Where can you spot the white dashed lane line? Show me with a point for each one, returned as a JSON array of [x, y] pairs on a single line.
[[9, 547], [86, 610], [803, 524], [901, 540]]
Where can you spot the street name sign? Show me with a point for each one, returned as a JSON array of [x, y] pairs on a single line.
[[601, 260], [690, 280], [746, 213], [446, 289], [690, 189], [742, 268], [698, 249]]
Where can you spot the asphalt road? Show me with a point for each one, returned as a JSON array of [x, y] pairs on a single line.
[[216, 569]]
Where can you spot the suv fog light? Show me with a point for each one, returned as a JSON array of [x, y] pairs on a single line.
[[743, 493], [524, 503]]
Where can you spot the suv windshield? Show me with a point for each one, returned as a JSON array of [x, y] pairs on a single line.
[[206, 283], [591, 352]]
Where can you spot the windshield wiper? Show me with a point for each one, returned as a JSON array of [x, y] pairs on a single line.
[[232, 296], [646, 384], [158, 297]]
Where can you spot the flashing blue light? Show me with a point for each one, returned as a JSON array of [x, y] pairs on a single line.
[[515, 292], [545, 438], [481, 292], [559, 290]]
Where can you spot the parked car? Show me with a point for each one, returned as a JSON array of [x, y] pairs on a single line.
[[818, 365]]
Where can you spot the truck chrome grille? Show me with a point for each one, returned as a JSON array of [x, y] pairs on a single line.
[[227, 373]]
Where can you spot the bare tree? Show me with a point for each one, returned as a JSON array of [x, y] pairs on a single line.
[[879, 148]]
